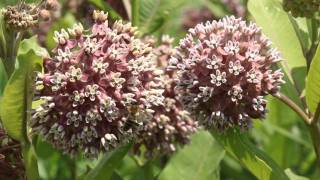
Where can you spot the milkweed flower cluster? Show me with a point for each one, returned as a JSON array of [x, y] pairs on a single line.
[[224, 72], [24, 16], [96, 88], [302, 8], [170, 125]]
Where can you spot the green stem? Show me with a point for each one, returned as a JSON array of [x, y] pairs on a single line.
[[135, 12], [293, 106], [314, 129], [312, 123]]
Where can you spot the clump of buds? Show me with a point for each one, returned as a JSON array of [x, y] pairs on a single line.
[[96, 88], [20, 17], [24, 16], [302, 8], [224, 72], [170, 125]]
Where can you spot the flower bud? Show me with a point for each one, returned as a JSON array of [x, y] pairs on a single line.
[[100, 16], [52, 4], [45, 14], [20, 17]]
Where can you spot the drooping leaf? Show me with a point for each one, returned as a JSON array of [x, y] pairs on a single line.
[[276, 24], [106, 166], [198, 160], [313, 83], [154, 13], [256, 161], [16, 101]]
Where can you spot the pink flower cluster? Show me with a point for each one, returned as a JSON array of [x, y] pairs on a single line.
[[171, 125], [96, 88], [224, 72]]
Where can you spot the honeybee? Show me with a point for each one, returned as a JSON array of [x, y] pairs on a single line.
[[132, 119]]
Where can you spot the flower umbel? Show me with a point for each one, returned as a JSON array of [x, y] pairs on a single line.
[[170, 125], [224, 71], [87, 88]]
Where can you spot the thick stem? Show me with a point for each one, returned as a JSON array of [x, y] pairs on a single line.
[[294, 107], [135, 12], [314, 129], [315, 133]]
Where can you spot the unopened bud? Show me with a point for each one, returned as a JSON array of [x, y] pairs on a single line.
[[100, 16], [52, 4], [45, 14]]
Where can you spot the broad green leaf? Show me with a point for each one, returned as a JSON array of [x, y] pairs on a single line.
[[30, 162], [237, 144], [276, 25], [198, 160], [16, 101], [32, 44], [154, 13], [313, 83], [106, 166], [67, 21]]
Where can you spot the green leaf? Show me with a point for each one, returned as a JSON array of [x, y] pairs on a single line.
[[16, 101], [198, 160], [30, 162], [313, 83], [154, 13], [32, 44], [110, 161], [276, 24], [256, 161]]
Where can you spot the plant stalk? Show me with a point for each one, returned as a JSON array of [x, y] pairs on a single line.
[[135, 12], [312, 123], [294, 107], [314, 129]]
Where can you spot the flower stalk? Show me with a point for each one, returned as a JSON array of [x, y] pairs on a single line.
[[311, 122]]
